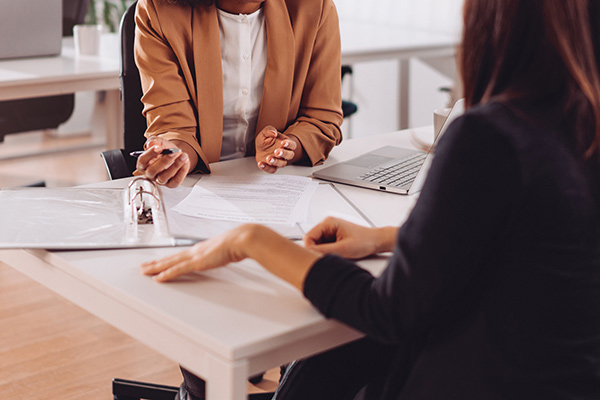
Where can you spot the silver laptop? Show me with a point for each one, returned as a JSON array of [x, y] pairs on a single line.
[[389, 168], [30, 28]]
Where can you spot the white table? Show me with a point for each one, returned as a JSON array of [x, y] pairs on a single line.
[[70, 73], [224, 325], [364, 41]]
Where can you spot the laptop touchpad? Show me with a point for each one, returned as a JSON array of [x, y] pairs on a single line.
[[369, 160]]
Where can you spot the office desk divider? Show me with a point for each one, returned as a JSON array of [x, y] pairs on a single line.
[[141, 215]]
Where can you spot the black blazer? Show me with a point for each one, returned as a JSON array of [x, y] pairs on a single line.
[[496, 272]]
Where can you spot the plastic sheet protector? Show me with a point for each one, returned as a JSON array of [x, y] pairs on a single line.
[[81, 218]]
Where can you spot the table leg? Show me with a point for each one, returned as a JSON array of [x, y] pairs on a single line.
[[114, 120], [107, 123], [226, 381]]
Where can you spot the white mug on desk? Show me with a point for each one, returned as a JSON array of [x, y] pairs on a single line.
[[87, 39]]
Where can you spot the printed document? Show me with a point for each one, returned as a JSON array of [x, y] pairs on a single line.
[[263, 199]]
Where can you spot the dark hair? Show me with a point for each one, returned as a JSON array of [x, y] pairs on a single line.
[[532, 49], [190, 3]]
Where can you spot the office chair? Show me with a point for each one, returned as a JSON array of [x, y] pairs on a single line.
[[119, 164], [40, 113], [348, 107]]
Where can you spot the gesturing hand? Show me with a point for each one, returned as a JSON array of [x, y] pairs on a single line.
[[275, 150]]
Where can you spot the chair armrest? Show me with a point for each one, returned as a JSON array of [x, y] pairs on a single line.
[[116, 164]]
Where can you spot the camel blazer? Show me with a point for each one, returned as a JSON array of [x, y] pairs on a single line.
[[178, 52]]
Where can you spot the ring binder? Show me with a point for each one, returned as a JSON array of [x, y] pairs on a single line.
[[142, 213], [84, 218]]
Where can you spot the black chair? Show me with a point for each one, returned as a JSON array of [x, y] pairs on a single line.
[[348, 107], [49, 112], [119, 163]]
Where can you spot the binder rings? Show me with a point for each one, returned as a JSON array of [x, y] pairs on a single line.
[[84, 218]]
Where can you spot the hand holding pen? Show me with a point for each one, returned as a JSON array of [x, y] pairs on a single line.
[[162, 162]]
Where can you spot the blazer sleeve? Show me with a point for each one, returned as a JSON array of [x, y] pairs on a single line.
[[168, 105], [320, 114], [442, 254]]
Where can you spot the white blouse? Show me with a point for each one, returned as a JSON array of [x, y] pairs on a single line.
[[244, 61]]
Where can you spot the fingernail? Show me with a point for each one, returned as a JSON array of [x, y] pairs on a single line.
[[271, 160], [279, 153], [286, 144], [261, 165], [184, 157]]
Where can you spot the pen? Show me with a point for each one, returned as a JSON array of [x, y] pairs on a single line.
[[165, 151]]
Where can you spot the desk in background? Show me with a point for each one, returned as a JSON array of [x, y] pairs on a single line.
[[227, 324], [364, 41], [361, 42], [69, 73]]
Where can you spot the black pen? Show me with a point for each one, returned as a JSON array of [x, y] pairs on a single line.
[[165, 151]]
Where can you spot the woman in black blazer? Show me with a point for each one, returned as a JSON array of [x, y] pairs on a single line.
[[493, 289]]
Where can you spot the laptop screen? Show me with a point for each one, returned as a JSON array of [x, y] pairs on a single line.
[[30, 28]]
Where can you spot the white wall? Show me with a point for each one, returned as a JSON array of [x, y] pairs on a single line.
[[374, 84]]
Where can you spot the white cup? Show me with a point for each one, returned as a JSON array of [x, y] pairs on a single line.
[[439, 117], [87, 39]]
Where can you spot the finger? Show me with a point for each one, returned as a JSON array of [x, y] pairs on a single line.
[[178, 178], [175, 164], [156, 266], [327, 248], [184, 267], [153, 141], [289, 144], [146, 158], [267, 168], [161, 165], [324, 232], [276, 162], [285, 154]]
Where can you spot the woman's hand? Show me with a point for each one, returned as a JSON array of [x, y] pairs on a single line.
[[209, 254], [275, 253], [166, 169], [275, 150], [348, 240]]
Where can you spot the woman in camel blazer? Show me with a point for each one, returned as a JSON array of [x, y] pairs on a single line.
[[179, 54]]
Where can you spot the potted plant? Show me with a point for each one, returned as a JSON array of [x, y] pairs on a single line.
[[107, 13]]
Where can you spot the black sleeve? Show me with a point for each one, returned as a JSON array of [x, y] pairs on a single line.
[[445, 244]]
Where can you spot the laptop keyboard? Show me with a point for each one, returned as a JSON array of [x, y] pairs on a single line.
[[397, 174]]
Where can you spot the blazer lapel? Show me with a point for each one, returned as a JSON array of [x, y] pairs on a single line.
[[209, 82], [279, 75]]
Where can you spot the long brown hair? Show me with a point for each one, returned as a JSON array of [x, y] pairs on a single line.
[[533, 49]]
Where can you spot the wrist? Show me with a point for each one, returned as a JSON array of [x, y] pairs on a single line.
[[248, 238], [386, 239]]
